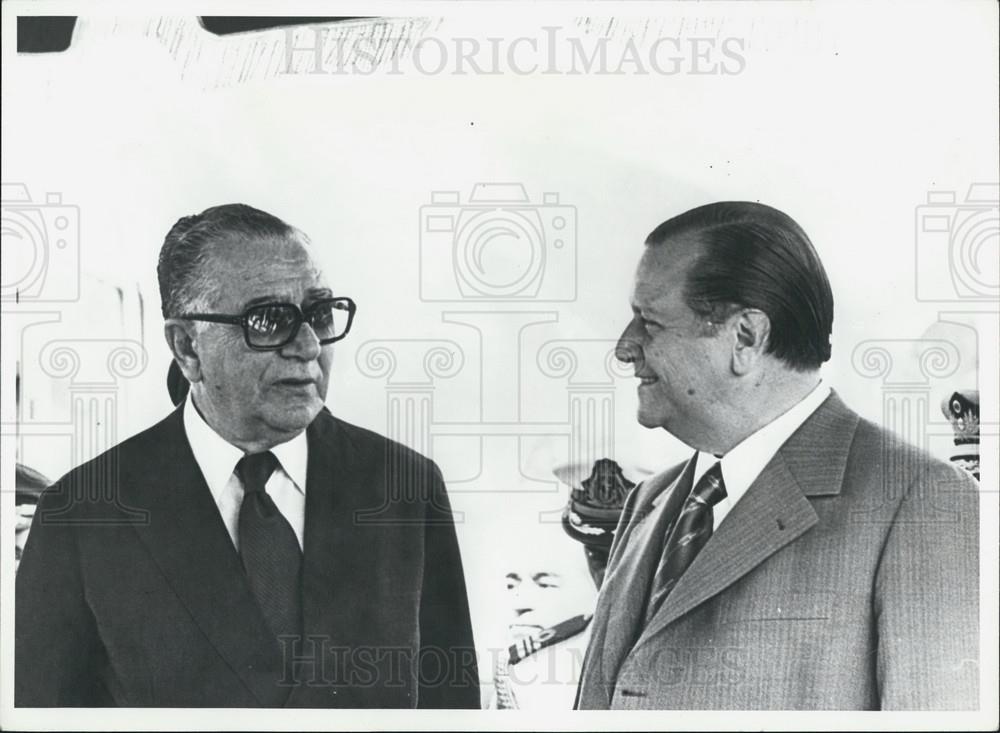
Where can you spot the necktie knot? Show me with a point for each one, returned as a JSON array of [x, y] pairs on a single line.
[[255, 469], [710, 489]]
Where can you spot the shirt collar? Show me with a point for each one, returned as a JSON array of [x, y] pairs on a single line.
[[217, 458], [742, 465]]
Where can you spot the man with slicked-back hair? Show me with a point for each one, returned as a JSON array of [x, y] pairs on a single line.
[[251, 549], [803, 557]]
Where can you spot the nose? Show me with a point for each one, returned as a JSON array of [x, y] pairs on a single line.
[[522, 599], [305, 345], [627, 350]]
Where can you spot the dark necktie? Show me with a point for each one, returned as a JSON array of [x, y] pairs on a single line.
[[689, 533], [269, 549]]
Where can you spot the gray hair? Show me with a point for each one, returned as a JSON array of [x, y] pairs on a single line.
[[186, 284]]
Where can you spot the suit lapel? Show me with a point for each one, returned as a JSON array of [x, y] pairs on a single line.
[[816, 454], [621, 605], [335, 576], [774, 512], [189, 542], [771, 514], [328, 535]]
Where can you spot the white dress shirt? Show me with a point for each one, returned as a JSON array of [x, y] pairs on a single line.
[[217, 460], [742, 465]]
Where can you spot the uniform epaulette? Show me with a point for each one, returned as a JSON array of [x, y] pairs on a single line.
[[547, 637]]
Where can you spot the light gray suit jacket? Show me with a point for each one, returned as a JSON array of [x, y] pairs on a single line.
[[845, 578]]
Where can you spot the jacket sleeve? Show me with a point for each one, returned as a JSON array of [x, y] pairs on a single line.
[[927, 597], [57, 646], [449, 676]]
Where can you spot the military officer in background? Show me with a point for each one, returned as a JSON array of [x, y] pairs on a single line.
[[962, 411], [552, 605]]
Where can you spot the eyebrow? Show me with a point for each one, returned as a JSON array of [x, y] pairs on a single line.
[[643, 313], [311, 294], [544, 575]]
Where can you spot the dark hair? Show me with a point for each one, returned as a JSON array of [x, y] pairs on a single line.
[[182, 276], [754, 256]]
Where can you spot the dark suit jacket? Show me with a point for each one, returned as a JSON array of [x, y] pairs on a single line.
[[845, 578], [130, 591]]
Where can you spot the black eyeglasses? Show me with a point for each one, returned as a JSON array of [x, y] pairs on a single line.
[[270, 326]]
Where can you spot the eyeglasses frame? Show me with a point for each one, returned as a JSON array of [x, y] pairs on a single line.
[[243, 320]]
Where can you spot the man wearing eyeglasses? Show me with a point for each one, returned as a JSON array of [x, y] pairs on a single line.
[[251, 549]]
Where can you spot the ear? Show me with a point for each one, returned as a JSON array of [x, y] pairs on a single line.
[[180, 335], [751, 330]]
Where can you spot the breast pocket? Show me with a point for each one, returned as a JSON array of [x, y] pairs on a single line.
[[798, 607], [778, 607]]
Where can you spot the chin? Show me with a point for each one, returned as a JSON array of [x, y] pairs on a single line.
[[296, 419], [648, 420]]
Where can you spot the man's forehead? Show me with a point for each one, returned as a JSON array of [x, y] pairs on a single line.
[[259, 257], [662, 272], [266, 267]]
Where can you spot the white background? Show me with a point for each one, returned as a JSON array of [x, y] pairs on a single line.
[[845, 117]]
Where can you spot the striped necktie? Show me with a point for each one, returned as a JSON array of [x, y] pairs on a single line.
[[686, 536]]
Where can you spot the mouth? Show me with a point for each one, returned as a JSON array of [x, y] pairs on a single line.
[[645, 381], [295, 382], [521, 631]]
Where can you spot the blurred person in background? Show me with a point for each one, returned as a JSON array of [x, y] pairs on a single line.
[[961, 409], [29, 485], [552, 594]]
